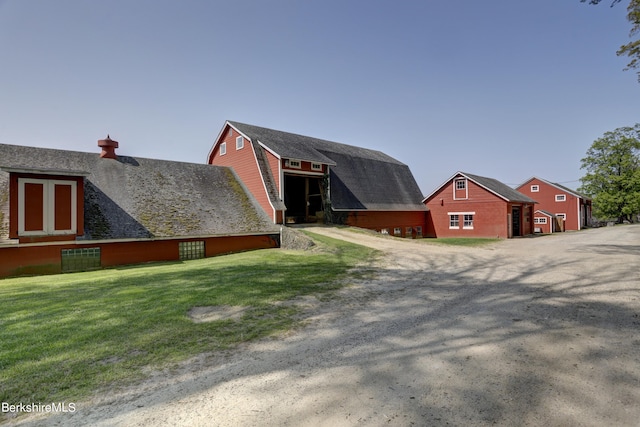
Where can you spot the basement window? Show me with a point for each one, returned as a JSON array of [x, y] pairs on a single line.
[[397, 231], [82, 259], [419, 231], [408, 232], [191, 250]]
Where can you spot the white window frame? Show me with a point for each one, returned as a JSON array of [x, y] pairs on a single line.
[[48, 207], [239, 143], [465, 187], [561, 197], [453, 220], [535, 188], [316, 166], [562, 215], [397, 231], [223, 148], [294, 164], [540, 220], [460, 220], [467, 223]]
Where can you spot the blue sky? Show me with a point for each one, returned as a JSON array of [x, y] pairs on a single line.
[[501, 88]]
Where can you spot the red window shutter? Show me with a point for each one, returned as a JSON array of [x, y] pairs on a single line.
[[62, 207], [33, 207]]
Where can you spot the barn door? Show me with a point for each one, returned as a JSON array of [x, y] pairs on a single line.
[[515, 222]]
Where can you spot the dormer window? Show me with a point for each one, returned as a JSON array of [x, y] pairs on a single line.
[[47, 207]]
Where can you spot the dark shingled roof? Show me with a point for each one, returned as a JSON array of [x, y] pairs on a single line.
[[360, 179], [497, 187], [493, 185], [144, 198]]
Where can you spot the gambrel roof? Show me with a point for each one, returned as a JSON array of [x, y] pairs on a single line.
[[360, 178], [144, 198], [494, 186]]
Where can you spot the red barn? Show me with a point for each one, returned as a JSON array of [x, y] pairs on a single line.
[[469, 205], [67, 210], [565, 203], [301, 179]]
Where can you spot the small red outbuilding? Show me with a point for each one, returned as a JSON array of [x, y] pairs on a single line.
[[467, 205]]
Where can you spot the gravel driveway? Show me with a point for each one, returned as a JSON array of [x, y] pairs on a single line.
[[532, 331]]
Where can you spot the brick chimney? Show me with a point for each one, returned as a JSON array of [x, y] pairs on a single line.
[[108, 146]]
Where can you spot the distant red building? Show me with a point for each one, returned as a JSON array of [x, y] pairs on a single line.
[[566, 204], [467, 205]]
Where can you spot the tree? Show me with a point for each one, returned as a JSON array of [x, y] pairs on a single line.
[[613, 174], [631, 49]]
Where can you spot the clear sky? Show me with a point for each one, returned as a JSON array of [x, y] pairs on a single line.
[[501, 88]]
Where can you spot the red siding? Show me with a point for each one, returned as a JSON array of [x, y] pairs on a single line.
[[46, 259], [490, 213], [546, 198], [379, 220], [244, 163]]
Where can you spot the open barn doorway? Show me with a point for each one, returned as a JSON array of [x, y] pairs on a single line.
[[304, 198]]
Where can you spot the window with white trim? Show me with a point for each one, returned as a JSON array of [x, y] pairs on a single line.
[[562, 215], [468, 221], [561, 197], [316, 166], [46, 207], [397, 231], [454, 221], [223, 148], [294, 164], [535, 188], [239, 143], [540, 220], [461, 184]]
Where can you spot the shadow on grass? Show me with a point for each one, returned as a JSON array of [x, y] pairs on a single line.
[[464, 338]]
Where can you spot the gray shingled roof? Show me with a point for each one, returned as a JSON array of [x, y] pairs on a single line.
[[497, 187], [360, 179], [143, 198]]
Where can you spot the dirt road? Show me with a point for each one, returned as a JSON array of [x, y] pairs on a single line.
[[529, 332]]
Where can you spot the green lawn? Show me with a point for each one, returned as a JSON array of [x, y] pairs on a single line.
[[65, 336]]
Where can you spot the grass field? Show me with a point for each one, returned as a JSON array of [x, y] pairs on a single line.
[[65, 336]]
